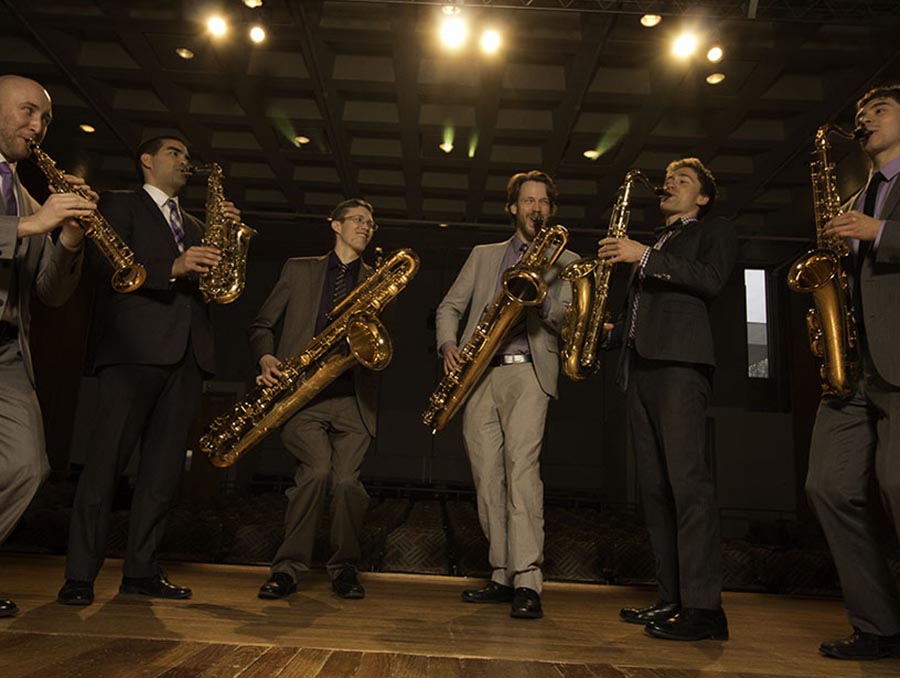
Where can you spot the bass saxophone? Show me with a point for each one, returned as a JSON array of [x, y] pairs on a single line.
[[225, 281], [128, 275], [354, 334], [831, 323], [523, 285], [590, 276]]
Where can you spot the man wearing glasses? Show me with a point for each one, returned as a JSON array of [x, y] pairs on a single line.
[[330, 436]]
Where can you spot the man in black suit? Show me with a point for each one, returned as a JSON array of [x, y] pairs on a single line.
[[153, 348], [665, 370]]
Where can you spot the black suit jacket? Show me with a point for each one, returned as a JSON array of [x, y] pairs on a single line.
[[155, 324], [681, 280]]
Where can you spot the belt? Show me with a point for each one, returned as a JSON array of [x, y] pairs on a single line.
[[511, 359], [8, 332]]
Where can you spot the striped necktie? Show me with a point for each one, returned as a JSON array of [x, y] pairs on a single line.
[[341, 284], [8, 190], [175, 224]]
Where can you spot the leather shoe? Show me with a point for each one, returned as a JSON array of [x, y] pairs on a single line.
[[692, 623], [157, 586], [7, 608], [75, 592], [279, 585], [526, 604], [659, 611], [492, 593], [862, 645], [346, 585]]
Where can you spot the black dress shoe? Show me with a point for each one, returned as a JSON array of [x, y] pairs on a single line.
[[346, 585], [659, 611], [75, 592], [7, 608], [862, 645], [692, 623], [526, 604], [157, 586], [492, 593], [279, 585]]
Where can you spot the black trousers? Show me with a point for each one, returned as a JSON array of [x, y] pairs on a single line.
[[667, 417], [151, 404]]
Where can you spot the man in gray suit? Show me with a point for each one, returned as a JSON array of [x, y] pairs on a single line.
[[856, 441], [330, 435], [503, 420], [30, 262]]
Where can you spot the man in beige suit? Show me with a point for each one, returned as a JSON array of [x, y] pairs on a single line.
[[30, 262], [503, 420], [329, 436]]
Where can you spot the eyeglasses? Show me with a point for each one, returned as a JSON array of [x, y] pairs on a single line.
[[360, 220]]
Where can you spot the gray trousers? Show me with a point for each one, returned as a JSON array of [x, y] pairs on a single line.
[[23, 461], [329, 440], [503, 429], [856, 445], [667, 417]]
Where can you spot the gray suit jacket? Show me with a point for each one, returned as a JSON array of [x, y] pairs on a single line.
[[475, 288], [295, 299], [40, 264]]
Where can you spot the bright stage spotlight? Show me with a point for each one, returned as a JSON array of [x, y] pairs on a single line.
[[217, 26], [490, 42], [453, 32], [715, 54], [257, 34], [650, 20], [685, 45]]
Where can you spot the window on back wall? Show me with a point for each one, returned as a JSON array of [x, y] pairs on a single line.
[[757, 323]]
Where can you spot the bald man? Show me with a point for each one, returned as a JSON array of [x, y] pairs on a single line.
[[31, 262]]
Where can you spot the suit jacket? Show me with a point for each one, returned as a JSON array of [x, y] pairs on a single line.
[[295, 299], [680, 282], [880, 290], [155, 324], [40, 265], [475, 289]]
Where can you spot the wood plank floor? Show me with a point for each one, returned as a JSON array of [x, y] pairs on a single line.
[[408, 625]]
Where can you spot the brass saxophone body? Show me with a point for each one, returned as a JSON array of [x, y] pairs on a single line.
[[831, 323], [225, 281], [353, 335], [583, 327], [128, 275], [523, 286]]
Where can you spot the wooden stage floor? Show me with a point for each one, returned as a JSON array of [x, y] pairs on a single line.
[[408, 625]]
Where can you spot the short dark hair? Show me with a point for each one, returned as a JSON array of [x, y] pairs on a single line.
[[880, 92], [346, 205], [515, 186], [151, 146], [704, 176]]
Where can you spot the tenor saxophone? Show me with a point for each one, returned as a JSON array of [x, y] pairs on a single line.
[[590, 277], [353, 335], [831, 323], [523, 286], [224, 282], [128, 275]]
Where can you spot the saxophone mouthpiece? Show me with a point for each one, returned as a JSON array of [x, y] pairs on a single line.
[[861, 133], [661, 192]]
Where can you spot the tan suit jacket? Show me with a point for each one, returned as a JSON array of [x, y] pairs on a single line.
[[475, 289], [295, 299]]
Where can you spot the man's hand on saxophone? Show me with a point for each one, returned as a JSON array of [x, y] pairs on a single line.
[[61, 209], [269, 372], [615, 250], [854, 224], [197, 258], [450, 353], [231, 211]]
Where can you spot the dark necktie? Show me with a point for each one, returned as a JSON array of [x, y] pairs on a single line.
[[341, 284], [175, 224], [865, 245], [8, 190]]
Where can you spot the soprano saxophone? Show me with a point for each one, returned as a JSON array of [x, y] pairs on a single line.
[[831, 323], [590, 277], [353, 335], [128, 275], [523, 286], [225, 281]]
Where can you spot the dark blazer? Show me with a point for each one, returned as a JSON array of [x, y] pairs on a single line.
[[680, 282], [155, 324], [295, 300]]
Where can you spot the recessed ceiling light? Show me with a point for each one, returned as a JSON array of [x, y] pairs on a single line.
[[591, 154], [257, 34], [684, 45], [87, 129], [650, 20], [490, 41], [253, 4], [715, 54], [443, 225], [715, 78], [301, 140], [446, 147], [184, 53], [453, 32], [450, 8], [217, 26]]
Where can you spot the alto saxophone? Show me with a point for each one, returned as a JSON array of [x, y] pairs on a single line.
[[225, 281], [523, 285], [354, 334], [590, 276], [128, 275], [831, 323]]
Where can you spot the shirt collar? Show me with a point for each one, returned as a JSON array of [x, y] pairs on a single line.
[[681, 222], [11, 164], [890, 170], [516, 243], [334, 261], [159, 196]]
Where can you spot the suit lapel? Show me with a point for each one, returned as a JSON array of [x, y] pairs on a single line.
[[892, 199], [156, 217]]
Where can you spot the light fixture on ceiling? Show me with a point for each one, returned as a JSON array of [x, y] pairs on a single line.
[[301, 140], [453, 32], [446, 147], [490, 41], [184, 53], [650, 20], [257, 34], [253, 4], [87, 129], [451, 7], [715, 54], [685, 45], [443, 225], [217, 26], [715, 78], [591, 154]]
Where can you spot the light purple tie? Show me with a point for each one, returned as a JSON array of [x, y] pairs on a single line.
[[175, 224], [8, 190]]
